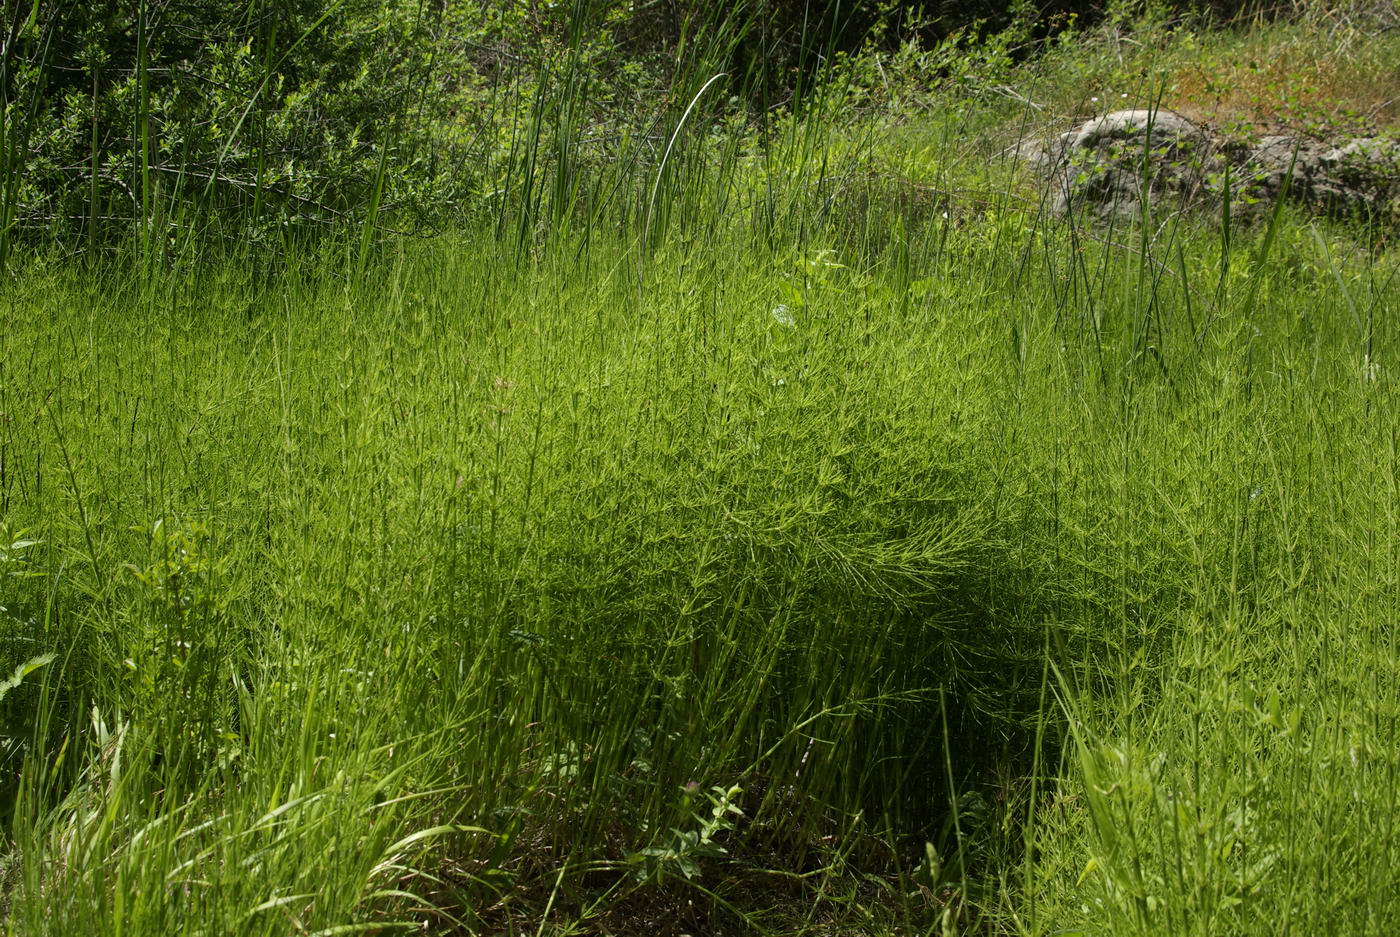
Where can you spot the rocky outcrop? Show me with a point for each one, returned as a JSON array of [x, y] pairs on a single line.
[[1359, 176], [1118, 164]]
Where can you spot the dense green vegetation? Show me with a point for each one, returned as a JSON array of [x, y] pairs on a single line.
[[742, 515]]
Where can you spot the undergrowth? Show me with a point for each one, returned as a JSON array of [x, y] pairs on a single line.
[[799, 532]]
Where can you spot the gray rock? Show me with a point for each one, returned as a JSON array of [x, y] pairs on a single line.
[[1360, 176], [1258, 175], [1044, 155], [1159, 129], [1363, 175], [1116, 164], [1112, 165]]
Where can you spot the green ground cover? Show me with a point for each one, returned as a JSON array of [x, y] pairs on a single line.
[[797, 533]]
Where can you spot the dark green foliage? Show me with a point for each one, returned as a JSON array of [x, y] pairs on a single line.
[[122, 112], [786, 42], [170, 118]]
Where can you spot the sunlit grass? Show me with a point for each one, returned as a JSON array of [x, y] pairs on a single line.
[[826, 559]]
